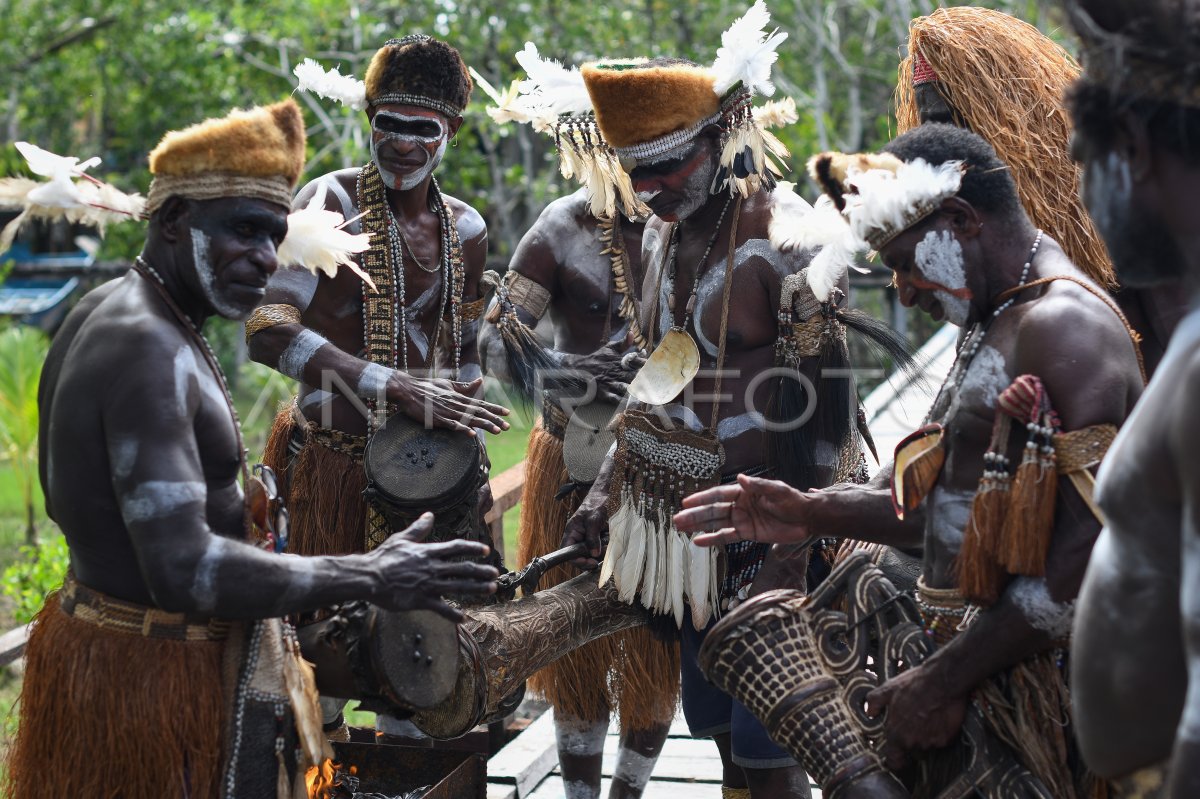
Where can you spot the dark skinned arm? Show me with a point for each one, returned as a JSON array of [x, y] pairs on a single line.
[[590, 520], [187, 567], [1070, 345]]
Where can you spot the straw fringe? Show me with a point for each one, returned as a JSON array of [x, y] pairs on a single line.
[[323, 491], [105, 713], [644, 682], [1007, 81]]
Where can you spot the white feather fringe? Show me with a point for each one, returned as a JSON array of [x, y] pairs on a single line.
[[822, 227], [551, 89], [883, 199], [317, 241]]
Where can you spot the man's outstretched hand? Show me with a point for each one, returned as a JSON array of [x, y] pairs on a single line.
[[415, 576], [752, 509]]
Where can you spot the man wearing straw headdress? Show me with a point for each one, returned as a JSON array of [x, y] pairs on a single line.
[[162, 667], [1136, 654], [995, 488], [1002, 78]]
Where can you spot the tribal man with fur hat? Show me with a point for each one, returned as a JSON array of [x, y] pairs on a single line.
[[401, 342], [1002, 78], [1136, 654], [996, 488], [162, 667], [580, 264], [721, 293]]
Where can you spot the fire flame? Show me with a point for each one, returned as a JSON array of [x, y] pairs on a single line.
[[323, 779]]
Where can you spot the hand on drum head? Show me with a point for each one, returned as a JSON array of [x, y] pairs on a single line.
[[923, 712], [414, 576], [752, 509], [446, 403]]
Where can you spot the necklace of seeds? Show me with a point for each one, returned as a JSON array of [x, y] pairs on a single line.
[[673, 252], [974, 341]]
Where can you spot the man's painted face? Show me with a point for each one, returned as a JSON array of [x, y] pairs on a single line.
[[931, 273], [233, 243], [678, 182], [407, 144], [1142, 249]]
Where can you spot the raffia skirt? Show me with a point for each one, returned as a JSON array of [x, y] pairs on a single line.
[[106, 711], [633, 671]]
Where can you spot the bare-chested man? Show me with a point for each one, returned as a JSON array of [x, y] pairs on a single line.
[[141, 454], [962, 249], [585, 273], [713, 282], [1136, 654], [1000, 77], [349, 345]]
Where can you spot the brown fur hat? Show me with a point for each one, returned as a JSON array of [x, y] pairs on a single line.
[[639, 102], [419, 70], [266, 141], [258, 153]]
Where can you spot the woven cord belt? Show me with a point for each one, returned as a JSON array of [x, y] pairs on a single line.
[[345, 443], [94, 608]]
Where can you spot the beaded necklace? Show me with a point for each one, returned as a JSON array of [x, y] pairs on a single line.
[[385, 315], [672, 255]]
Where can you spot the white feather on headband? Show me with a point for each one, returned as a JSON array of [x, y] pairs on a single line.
[[331, 84], [747, 53], [886, 202], [551, 89], [88, 201], [823, 227], [317, 241]]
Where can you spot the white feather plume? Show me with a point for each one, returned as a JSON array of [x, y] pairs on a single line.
[[777, 113], [747, 53], [678, 560], [507, 105], [331, 84], [48, 165], [551, 88], [697, 587], [824, 229], [629, 570], [317, 241], [618, 534], [883, 199]]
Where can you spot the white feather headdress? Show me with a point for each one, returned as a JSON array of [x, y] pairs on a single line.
[[317, 240], [747, 53], [881, 196], [70, 194], [824, 229]]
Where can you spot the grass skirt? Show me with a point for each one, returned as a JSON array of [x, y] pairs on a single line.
[[106, 713], [322, 489], [632, 671]]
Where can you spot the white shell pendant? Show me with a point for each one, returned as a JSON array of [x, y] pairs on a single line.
[[668, 370]]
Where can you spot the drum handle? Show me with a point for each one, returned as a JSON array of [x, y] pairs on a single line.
[[527, 579]]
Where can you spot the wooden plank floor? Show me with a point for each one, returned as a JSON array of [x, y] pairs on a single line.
[[527, 767]]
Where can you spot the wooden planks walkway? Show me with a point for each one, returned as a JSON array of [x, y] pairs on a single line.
[[528, 767]]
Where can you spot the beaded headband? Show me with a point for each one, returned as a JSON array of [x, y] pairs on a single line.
[[923, 72]]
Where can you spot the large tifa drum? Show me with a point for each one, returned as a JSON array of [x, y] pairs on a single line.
[[412, 469]]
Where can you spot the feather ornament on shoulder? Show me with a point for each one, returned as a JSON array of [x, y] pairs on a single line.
[[747, 53], [69, 194], [316, 239], [330, 84]]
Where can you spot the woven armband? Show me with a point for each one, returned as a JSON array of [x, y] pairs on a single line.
[[269, 316], [1082, 449], [527, 294]]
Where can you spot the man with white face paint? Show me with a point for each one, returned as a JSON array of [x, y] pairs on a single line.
[[1136, 653], [714, 287], [164, 654], [1044, 351], [405, 346]]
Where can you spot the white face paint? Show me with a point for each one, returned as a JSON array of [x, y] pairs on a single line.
[[1031, 595], [647, 196], [297, 355], [157, 499], [939, 257], [205, 274], [388, 126]]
